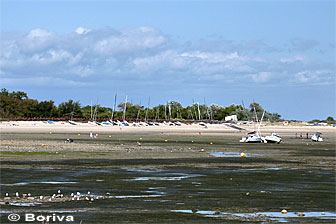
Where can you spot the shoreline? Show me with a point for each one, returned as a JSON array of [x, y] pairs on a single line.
[[193, 129]]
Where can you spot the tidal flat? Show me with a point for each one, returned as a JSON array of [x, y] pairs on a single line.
[[155, 178]]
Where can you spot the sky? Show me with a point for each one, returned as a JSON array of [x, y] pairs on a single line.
[[280, 54]]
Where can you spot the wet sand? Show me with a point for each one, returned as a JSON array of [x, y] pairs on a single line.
[[187, 174]]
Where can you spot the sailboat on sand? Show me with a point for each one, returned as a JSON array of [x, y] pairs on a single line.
[[257, 137]]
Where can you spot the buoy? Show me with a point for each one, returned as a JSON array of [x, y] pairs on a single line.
[[166, 140], [247, 193], [140, 138], [284, 211], [43, 145], [211, 143], [202, 150], [110, 136], [78, 134], [323, 213], [242, 154], [50, 132]]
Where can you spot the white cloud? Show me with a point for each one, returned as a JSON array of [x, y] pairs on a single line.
[[298, 58], [261, 77], [143, 38], [314, 76], [82, 30], [39, 34], [145, 53], [36, 40], [165, 60], [51, 56]]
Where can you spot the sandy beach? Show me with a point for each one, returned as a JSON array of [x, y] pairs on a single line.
[[189, 129]]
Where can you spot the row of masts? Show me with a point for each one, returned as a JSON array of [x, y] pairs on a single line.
[[194, 113]]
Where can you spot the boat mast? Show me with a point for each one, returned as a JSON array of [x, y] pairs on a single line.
[[193, 106], [199, 111], [96, 110], [165, 111], [124, 113], [147, 109], [91, 111], [260, 123], [257, 121], [115, 102], [169, 108]]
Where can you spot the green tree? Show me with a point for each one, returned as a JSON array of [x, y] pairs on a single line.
[[330, 118], [19, 95], [70, 109], [46, 109], [14, 104], [244, 114]]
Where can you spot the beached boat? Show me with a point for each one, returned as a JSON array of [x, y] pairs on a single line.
[[168, 123], [93, 123], [72, 122], [255, 136], [143, 123], [106, 123], [273, 138], [252, 137], [202, 124], [317, 137]]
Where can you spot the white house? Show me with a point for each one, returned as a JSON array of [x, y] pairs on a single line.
[[231, 118]]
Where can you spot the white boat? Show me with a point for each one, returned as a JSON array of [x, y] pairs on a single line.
[[255, 136], [273, 138], [93, 123], [169, 123], [252, 138], [106, 123], [72, 122], [202, 124], [317, 137], [143, 123]]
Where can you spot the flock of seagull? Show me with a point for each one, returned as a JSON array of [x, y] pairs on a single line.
[[59, 196]]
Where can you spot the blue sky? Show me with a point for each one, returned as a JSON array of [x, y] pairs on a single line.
[[278, 53]]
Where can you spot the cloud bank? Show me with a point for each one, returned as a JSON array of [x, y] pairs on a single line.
[[143, 55]]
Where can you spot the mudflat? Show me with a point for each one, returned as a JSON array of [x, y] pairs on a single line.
[[187, 174]]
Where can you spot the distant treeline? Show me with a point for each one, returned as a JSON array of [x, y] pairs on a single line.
[[18, 105]]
